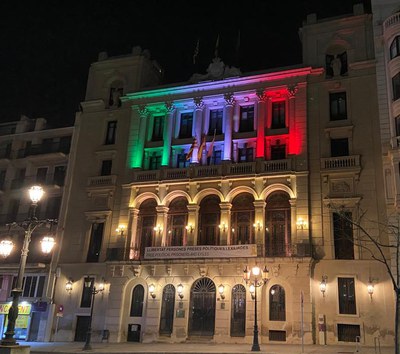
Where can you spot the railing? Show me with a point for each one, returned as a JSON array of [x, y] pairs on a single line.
[[101, 181], [391, 21], [176, 173], [242, 168], [42, 149], [278, 165], [143, 176], [340, 162], [48, 180], [208, 171]]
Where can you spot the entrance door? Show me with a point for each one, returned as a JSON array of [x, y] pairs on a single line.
[[34, 328], [167, 310], [238, 311], [202, 308], [82, 325]]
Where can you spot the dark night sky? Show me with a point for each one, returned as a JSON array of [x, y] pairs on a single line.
[[46, 47]]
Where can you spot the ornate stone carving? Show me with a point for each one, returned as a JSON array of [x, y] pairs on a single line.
[[143, 112], [262, 95], [198, 102], [169, 106], [292, 90], [229, 99]]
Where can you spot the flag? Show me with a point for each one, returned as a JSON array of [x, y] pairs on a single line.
[[190, 152], [211, 147], [196, 51], [216, 47], [201, 148]]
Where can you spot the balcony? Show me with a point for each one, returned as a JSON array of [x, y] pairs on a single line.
[[50, 180], [391, 22], [215, 171], [56, 149], [102, 181], [341, 163]]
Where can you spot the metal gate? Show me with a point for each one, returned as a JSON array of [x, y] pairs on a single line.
[[202, 308], [238, 311], [167, 310]]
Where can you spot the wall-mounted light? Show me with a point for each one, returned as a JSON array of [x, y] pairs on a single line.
[[222, 227], [152, 290], [252, 290], [68, 286], [322, 285], [221, 289], [301, 224], [189, 228], [120, 229], [370, 288], [158, 229], [257, 226], [179, 288], [101, 286]]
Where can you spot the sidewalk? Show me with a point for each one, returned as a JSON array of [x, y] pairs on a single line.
[[123, 348]]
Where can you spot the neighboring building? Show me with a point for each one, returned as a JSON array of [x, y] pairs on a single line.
[[30, 154], [171, 221]]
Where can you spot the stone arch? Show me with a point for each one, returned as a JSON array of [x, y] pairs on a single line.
[[144, 196], [277, 187], [175, 194], [290, 297], [205, 193], [242, 189]]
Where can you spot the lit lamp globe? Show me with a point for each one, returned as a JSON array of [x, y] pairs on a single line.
[[36, 193], [47, 244], [6, 247]]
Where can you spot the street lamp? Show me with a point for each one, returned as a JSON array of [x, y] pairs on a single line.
[[6, 246], [94, 292], [253, 278]]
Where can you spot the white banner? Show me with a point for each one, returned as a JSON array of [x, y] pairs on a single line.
[[174, 252]]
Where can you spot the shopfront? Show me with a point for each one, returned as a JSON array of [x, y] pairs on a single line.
[[22, 322]]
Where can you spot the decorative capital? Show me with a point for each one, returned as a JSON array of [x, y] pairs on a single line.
[[229, 99], [169, 106], [143, 112], [262, 95], [292, 90], [198, 101]]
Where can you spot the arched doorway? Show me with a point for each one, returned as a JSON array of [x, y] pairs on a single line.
[[167, 310], [238, 311], [209, 217], [202, 308]]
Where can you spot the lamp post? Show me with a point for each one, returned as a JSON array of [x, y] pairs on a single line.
[[6, 246], [94, 292], [253, 278]]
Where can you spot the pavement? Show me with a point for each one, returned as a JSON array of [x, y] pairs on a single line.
[[123, 348]]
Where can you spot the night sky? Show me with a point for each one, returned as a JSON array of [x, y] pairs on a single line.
[[46, 47]]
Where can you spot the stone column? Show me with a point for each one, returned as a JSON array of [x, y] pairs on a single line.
[[193, 220], [291, 118], [198, 120], [259, 226], [167, 133], [133, 236], [160, 234], [261, 111], [293, 222], [225, 231], [228, 120], [143, 113]]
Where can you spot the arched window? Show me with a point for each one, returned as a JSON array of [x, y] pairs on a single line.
[[336, 61], [238, 311], [137, 301], [277, 231], [147, 221], [242, 219], [277, 307], [209, 221], [177, 221], [167, 310], [395, 48]]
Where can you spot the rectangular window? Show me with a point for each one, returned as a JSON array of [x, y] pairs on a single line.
[[347, 296], [111, 132], [86, 300], [12, 212], [216, 116], [158, 128], [278, 115], [182, 162], [337, 106], [343, 235], [185, 130], [396, 87], [340, 147], [96, 238], [246, 122], [59, 175], [53, 207], [397, 120], [65, 144], [2, 179], [106, 166], [246, 154], [41, 175], [155, 162], [348, 332], [32, 286], [278, 152], [216, 157]]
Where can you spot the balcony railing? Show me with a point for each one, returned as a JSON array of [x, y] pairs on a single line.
[[340, 162], [41, 149], [48, 180], [391, 21], [197, 171], [102, 181]]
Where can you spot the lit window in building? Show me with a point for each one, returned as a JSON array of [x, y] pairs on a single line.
[[111, 132], [96, 239], [396, 87], [338, 106], [395, 48], [277, 307], [158, 127], [185, 130], [215, 158], [242, 219], [137, 301], [147, 222], [216, 116], [343, 235], [339, 147], [347, 296], [246, 122], [177, 221], [182, 161], [209, 216], [278, 115]]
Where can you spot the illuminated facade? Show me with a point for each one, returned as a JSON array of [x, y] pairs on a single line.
[[176, 190]]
